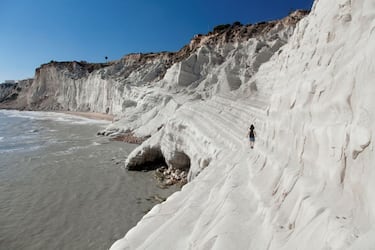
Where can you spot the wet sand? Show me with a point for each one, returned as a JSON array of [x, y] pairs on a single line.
[[91, 115]]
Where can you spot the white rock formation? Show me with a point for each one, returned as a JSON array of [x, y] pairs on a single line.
[[144, 83], [309, 182], [216, 64], [106, 88], [14, 90]]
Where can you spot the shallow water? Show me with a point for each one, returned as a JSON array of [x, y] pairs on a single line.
[[62, 187]]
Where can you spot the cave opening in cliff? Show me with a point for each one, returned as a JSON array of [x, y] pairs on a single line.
[[169, 170], [151, 159], [177, 171], [179, 160]]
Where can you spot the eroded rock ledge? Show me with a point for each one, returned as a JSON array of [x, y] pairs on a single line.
[[128, 137]]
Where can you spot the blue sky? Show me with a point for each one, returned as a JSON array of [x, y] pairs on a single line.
[[34, 32]]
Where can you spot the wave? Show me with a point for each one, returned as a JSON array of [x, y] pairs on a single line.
[[20, 149], [60, 117], [71, 150]]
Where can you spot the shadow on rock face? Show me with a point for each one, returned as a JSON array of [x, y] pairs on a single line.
[[151, 158]]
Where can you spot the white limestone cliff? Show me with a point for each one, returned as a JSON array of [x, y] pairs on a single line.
[[219, 62], [126, 86], [308, 183]]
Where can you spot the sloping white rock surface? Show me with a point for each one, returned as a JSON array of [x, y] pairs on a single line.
[[215, 67], [309, 181]]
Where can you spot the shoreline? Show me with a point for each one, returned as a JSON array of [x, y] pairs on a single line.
[[90, 115], [129, 137], [77, 172]]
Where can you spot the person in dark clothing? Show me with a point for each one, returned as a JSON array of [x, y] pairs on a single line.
[[251, 134]]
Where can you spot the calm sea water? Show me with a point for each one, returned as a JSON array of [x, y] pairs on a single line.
[[62, 187]]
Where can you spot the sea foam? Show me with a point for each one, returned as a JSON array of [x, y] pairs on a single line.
[[54, 116]]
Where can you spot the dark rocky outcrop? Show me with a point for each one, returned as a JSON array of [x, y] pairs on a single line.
[[13, 95]]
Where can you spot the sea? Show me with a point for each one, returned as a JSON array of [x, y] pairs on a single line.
[[64, 187]]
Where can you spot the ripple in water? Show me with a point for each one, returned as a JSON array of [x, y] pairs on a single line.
[[64, 188]]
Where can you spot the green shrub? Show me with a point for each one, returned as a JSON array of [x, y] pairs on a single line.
[[221, 28]]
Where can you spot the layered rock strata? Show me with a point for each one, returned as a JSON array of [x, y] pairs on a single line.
[[124, 85]]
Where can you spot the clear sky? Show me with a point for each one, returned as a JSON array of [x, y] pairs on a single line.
[[33, 32]]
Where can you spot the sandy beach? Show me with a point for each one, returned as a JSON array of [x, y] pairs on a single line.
[[91, 115]]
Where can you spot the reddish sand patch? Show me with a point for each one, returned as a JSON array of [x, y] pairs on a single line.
[[91, 115], [130, 138]]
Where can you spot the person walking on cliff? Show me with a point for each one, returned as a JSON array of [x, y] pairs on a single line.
[[251, 134]]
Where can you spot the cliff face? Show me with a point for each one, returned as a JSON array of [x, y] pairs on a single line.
[[115, 87], [219, 62], [7, 90], [14, 95], [69, 86]]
